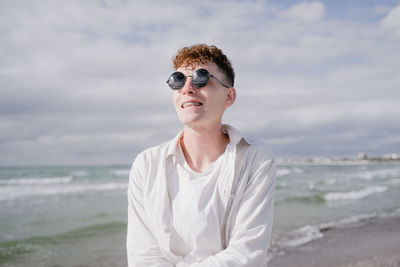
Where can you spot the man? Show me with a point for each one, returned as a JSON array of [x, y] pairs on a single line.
[[206, 197]]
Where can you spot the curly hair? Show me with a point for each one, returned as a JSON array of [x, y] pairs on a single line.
[[202, 53]]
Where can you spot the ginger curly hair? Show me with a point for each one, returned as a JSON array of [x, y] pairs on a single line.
[[202, 53]]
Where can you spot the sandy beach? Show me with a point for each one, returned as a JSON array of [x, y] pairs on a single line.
[[375, 243]]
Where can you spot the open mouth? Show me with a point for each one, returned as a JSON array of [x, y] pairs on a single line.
[[191, 104]]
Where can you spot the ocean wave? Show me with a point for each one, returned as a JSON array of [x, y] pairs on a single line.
[[11, 250], [377, 174], [330, 181], [14, 249], [357, 220], [280, 185], [19, 192], [282, 172], [315, 198], [321, 197], [313, 184], [37, 181], [355, 195], [300, 236], [324, 162], [308, 233], [120, 172], [80, 173], [286, 171]]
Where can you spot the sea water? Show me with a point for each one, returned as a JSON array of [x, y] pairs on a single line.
[[76, 216], [73, 216]]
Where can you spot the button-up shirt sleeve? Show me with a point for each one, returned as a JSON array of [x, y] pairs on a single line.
[[251, 233], [142, 247]]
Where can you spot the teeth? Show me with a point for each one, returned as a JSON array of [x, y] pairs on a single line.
[[188, 104]]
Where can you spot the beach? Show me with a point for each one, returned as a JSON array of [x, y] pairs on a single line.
[[375, 243]]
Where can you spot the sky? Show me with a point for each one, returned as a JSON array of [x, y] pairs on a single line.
[[82, 82]]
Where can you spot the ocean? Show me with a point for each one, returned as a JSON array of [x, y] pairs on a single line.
[[76, 216]]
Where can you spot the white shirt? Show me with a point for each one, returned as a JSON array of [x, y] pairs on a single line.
[[246, 187], [197, 209]]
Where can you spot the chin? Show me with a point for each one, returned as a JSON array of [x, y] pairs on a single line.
[[189, 118], [191, 122]]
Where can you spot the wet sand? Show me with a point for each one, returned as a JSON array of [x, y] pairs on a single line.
[[375, 243]]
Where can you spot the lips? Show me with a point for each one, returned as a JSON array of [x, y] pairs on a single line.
[[191, 104]]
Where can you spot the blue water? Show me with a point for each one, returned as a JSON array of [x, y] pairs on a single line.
[[76, 216]]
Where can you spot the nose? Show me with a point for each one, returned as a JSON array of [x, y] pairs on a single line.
[[188, 88]]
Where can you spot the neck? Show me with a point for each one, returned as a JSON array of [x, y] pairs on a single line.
[[202, 147]]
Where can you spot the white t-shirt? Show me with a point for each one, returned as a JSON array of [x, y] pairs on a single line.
[[197, 209]]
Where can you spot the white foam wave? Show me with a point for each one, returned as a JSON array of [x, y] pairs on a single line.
[[37, 181], [323, 162], [353, 220], [301, 236], [309, 233], [121, 172], [355, 195], [286, 171], [358, 219], [383, 173], [311, 186], [282, 172], [19, 192]]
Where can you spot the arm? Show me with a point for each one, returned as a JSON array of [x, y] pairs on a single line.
[[251, 233], [142, 247]]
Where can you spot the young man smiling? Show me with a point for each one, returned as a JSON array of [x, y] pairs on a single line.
[[206, 197]]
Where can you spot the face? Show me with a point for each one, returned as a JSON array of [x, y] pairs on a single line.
[[203, 107]]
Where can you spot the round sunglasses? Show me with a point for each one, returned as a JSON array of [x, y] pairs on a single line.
[[200, 79]]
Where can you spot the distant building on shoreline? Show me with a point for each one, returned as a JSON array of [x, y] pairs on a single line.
[[393, 156], [362, 155], [359, 158]]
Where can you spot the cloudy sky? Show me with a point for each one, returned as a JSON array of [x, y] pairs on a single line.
[[83, 81]]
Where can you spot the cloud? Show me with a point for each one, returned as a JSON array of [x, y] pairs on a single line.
[[83, 82], [393, 18], [305, 12]]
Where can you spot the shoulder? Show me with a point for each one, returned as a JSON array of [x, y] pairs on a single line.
[[261, 149], [152, 156], [255, 158], [255, 150], [248, 147], [152, 153], [260, 162]]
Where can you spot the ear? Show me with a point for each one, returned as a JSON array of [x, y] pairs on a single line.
[[230, 97]]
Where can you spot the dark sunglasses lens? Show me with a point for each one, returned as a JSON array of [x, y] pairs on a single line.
[[201, 78], [177, 80]]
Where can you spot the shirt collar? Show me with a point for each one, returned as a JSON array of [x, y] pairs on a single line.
[[234, 136], [173, 145]]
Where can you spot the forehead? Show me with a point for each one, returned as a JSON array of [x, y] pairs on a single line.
[[210, 66]]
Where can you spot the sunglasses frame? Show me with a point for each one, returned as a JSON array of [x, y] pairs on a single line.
[[208, 75]]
